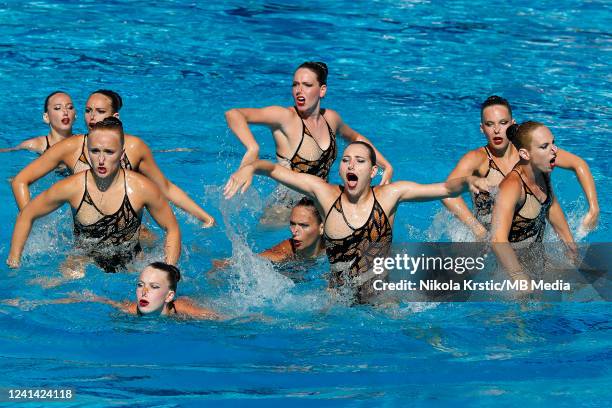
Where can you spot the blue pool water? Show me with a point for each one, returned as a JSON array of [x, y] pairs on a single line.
[[409, 75]]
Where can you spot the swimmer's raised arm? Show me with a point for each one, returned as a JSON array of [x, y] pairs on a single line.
[[149, 168], [304, 183], [59, 153], [351, 135], [567, 160], [157, 205], [48, 201], [467, 166], [401, 191], [274, 117]]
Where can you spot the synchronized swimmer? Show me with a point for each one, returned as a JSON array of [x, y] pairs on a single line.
[[496, 160], [72, 153], [115, 177], [304, 135], [107, 202], [59, 114]]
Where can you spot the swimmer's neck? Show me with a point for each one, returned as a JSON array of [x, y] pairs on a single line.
[[103, 184], [312, 252], [358, 198], [530, 172], [57, 136], [506, 154], [313, 113]]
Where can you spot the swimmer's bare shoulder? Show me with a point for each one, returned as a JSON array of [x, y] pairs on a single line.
[[279, 252], [188, 308], [36, 144]]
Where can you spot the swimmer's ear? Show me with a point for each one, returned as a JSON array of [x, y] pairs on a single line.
[[374, 171], [170, 296], [322, 91], [46, 117], [524, 154], [481, 129], [116, 115], [321, 228]]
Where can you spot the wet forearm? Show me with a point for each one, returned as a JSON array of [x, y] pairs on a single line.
[[172, 246], [21, 192], [183, 201], [23, 226]]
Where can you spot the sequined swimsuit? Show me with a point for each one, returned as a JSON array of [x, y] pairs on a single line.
[[483, 201], [319, 167], [352, 257], [83, 164], [529, 221], [111, 240]]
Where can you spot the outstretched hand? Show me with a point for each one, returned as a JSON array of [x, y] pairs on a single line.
[[13, 263], [240, 180]]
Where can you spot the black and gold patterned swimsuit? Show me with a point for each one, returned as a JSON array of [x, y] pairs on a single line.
[[111, 240], [47, 144], [529, 221], [320, 161], [83, 163], [483, 201], [60, 170], [352, 257]]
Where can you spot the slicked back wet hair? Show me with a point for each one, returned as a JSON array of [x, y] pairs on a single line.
[[495, 100]]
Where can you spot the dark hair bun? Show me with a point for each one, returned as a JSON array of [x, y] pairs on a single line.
[[323, 66], [512, 131], [116, 101]]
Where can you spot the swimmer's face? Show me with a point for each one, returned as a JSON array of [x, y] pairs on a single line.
[[306, 230], [105, 151], [306, 89], [494, 122], [97, 108], [60, 113], [153, 291], [542, 151], [356, 169]]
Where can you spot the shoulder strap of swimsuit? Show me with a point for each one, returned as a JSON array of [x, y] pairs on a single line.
[[331, 131], [378, 202], [524, 187], [334, 205], [301, 140], [84, 194], [48, 144], [83, 155], [488, 153]]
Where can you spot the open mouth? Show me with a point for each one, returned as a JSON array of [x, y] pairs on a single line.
[[498, 140], [143, 303], [552, 163], [102, 170], [352, 180], [65, 121], [297, 243], [300, 100]]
